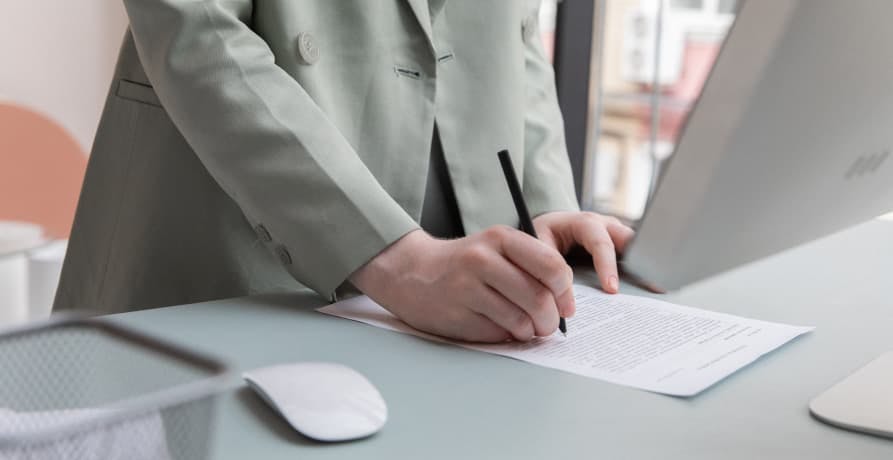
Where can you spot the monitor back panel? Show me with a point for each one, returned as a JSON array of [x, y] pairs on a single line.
[[790, 140]]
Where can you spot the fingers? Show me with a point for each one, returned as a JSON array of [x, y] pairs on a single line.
[[620, 234], [567, 304], [475, 327], [504, 313], [523, 291], [526, 283], [592, 233], [544, 263]]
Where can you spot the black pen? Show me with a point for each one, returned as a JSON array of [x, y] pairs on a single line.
[[523, 215]]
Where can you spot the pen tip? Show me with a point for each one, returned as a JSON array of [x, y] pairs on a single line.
[[564, 333]]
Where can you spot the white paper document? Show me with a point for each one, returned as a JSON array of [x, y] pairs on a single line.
[[629, 340]]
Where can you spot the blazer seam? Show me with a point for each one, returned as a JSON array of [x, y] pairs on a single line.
[[243, 77], [101, 294]]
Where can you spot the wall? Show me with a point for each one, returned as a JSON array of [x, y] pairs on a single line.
[[56, 57], [56, 61]]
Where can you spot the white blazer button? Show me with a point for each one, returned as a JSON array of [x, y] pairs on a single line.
[[308, 50]]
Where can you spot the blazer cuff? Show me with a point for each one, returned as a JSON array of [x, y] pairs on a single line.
[[357, 245]]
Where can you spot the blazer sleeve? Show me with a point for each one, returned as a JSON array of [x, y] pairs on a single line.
[[548, 180], [263, 138]]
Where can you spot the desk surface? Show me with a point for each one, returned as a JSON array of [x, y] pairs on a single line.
[[448, 402]]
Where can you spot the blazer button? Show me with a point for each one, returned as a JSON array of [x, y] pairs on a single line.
[[283, 254], [263, 234], [308, 51]]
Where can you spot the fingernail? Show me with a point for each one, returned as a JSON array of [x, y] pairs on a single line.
[[569, 310], [613, 283], [567, 305]]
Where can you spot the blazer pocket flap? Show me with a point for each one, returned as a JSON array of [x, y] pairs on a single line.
[[138, 92]]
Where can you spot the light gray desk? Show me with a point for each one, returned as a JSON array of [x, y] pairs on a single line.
[[450, 403]]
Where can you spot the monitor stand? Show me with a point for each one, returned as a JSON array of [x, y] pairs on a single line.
[[861, 402]]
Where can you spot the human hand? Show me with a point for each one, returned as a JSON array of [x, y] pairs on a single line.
[[604, 237], [488, 287]]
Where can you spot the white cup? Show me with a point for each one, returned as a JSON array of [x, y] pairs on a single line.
[[15, 239], [44, 269]]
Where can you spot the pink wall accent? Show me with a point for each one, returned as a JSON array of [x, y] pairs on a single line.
[[57, 57], [41, 170], [56, 62]]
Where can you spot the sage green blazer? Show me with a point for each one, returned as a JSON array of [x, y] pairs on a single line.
[[258, 146]]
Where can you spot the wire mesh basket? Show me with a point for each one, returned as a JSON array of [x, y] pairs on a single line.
[[90, 389]]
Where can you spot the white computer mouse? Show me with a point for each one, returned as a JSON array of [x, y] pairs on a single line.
[[323, 401]]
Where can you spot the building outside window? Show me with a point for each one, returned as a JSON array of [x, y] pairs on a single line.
[[650, 60]]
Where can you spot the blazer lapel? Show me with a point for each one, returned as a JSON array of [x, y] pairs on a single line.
[[422, 14]]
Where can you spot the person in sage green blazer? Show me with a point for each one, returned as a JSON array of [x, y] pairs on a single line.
[[266, 146]]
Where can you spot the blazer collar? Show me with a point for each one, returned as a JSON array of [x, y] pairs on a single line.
[[423, 14]]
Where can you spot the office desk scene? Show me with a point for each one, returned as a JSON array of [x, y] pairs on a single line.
[[447, 229], [448, 402]]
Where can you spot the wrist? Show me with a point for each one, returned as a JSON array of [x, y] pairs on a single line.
[[401, 257]]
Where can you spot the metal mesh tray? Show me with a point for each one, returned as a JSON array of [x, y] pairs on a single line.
[[78, 388]]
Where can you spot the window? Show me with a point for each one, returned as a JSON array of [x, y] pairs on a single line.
[[548, 11], [650, 60]]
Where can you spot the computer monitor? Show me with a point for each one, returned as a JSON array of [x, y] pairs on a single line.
[[789, 141]]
